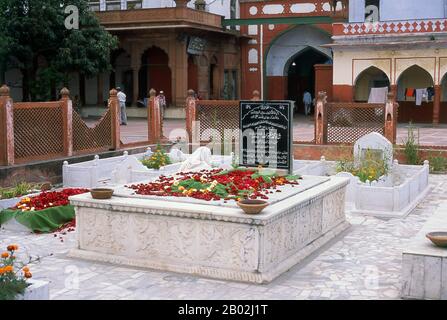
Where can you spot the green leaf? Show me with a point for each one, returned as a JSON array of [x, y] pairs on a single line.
[[10, 288], [293, 177]]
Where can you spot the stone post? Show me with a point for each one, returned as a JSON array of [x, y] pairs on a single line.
[[321, 119], [190, 113], [114, 107], [256, 96], [154, 118], [436, 104], [67, 118], [390, 118], [6, 127]]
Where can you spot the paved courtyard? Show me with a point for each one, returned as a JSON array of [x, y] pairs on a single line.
[[136, 130], [363, 263]]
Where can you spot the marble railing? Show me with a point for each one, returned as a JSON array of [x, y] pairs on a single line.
[[390, 27]]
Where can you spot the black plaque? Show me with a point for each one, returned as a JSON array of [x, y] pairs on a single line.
[[266, 134]]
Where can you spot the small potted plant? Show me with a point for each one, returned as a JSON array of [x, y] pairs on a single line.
[[156, 160]]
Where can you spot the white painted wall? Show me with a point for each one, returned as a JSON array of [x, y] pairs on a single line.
[[400, 10], [349, 64], [411, 9]]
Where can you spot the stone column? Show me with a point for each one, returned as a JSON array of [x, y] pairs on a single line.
[[436, 104], [390, 120], [320, 119], [203, 74], [393, 90], [192, 128], [6, 127], [190, 112], [135, 84], [115, 119], [154, 118], [67, 118], [180, 73]]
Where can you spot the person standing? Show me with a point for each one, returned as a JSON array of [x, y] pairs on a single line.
[[122, 101], [162, 102], [307, 100]]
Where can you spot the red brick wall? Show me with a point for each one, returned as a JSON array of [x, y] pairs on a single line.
[[342, 93], [277, 88], [408, 111], [324, 79]]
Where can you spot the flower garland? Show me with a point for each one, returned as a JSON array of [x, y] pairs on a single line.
[[218, 184], [47, 200]]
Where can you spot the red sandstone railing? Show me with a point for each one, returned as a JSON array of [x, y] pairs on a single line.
[[335, 123], [158, 16], [208, 119], [31, 131], [345, 123]]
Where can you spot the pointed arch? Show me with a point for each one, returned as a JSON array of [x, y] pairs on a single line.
[[415, 77], [371, 77], [290, 43], [413, 67], [155, 72]]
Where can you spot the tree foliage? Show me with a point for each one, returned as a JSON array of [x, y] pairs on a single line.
[[34, 39]]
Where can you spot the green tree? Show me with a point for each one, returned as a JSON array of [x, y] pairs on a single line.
[[34, 39]]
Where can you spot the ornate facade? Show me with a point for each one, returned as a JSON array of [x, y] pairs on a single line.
[[281, 48]]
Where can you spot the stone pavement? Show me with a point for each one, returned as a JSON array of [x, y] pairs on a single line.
[[136, 130], [363, 263]]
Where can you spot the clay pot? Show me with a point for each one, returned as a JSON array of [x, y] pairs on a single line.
[[438, 238], [252, 206], [101, 193]]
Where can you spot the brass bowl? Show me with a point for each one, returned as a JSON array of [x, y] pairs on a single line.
[[101, 193], [252, 206], [438, 238]]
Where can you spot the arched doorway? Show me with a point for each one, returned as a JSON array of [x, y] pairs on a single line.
[[155, 73], [299, 48], [414, 95], [368, 79], [121, 76], [301, 75]]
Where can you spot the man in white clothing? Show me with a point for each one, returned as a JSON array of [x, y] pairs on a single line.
[[122, 101]]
